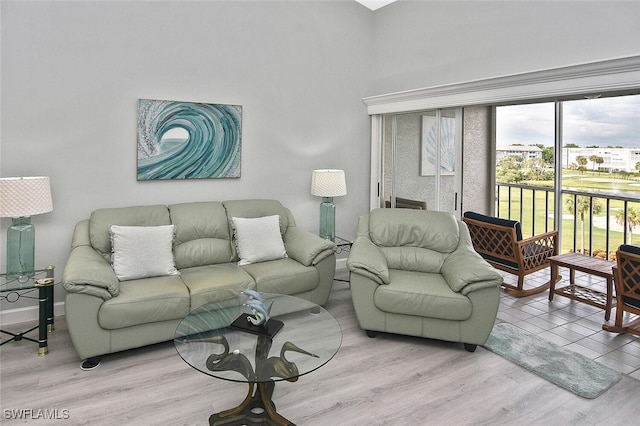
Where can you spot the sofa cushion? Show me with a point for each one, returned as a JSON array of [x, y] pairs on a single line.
[[258, 239], [142, 251], [215, 282], [284, 276], [433, 230], [421, 294], [102, 219], [145, 301], [202, 234]]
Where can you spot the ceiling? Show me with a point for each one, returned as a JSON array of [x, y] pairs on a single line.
[[375, 4]]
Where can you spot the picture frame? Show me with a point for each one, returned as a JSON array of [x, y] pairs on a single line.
[[188, 140]]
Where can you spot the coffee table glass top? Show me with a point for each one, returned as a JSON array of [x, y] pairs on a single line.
[[309, 338]]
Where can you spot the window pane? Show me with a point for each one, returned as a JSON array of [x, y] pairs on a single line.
[[525, 140], [601, 156]]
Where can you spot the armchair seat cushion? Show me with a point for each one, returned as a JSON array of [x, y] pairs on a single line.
[[145, 301], [423, 295]]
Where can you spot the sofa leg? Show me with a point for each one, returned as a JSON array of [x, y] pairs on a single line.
[[371, 334], [90, 363], [469, 347]]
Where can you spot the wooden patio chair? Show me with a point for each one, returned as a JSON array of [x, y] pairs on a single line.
[[500, 242], [626, 276]]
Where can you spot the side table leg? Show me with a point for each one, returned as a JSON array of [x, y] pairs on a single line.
[[554, 279], [50, 274], [50, 324], [607, 309], [43, 349]]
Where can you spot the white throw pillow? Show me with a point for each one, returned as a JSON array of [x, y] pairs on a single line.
[[258, 239], [142, 251]]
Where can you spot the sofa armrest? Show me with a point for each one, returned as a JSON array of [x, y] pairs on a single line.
[[466, 271], [86, 270], [305, 247], [365, 258]]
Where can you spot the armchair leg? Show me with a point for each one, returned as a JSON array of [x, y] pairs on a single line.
[[371, 333], [469, 347]]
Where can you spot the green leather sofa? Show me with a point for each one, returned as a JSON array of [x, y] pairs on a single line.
[[415, 272], [105, 315]]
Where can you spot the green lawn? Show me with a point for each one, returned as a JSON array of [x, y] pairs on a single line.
[[587, 182]]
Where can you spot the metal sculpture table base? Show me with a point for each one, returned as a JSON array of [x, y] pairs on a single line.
[[257, 408]]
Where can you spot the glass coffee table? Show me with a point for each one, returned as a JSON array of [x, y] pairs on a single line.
[[309, 338]]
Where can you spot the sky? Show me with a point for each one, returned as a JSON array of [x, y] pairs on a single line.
[[603, 122]]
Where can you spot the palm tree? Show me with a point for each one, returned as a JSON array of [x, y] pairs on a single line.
[[582, 163], [633, 220], [594, 160], [583, 206]]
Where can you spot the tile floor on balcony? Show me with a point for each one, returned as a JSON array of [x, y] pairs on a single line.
[[574, 325]]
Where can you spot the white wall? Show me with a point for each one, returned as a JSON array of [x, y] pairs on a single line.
[[430, 43], [72, 73]]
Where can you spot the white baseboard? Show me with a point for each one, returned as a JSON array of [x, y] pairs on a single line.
[[27, 314], [30, 313]]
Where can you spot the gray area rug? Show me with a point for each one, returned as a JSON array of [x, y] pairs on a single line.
[[565, 368]]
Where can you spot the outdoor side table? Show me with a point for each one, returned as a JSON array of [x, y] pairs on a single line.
[[590, 265], [12, 290]]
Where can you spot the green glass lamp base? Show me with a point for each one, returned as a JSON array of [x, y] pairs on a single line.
[[20, 249], [328, 219]]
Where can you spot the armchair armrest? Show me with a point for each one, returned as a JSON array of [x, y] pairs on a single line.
[[367, 259], [466, 271], [535, 251], [305, 247], [86, 270]]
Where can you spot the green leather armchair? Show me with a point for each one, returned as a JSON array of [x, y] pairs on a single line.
[[415, 272]]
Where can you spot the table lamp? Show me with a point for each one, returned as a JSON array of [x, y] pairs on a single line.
[[327, 184], [21, 198]]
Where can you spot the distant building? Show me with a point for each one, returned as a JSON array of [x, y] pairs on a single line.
[[526, 152], [615, 159]]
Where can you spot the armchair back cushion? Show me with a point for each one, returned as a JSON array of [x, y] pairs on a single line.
[[413, 241]]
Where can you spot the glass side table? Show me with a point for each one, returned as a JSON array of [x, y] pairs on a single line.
[[12, 290], [344, 246]]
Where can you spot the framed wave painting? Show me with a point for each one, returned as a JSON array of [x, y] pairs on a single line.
[[187, 140]]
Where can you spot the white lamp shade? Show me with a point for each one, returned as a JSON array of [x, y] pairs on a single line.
[[328, 183], [25, 196]]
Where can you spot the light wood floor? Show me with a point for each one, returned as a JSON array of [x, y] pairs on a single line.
[[389, 380]]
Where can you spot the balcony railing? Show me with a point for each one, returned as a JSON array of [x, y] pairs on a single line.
[[593, 223]]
